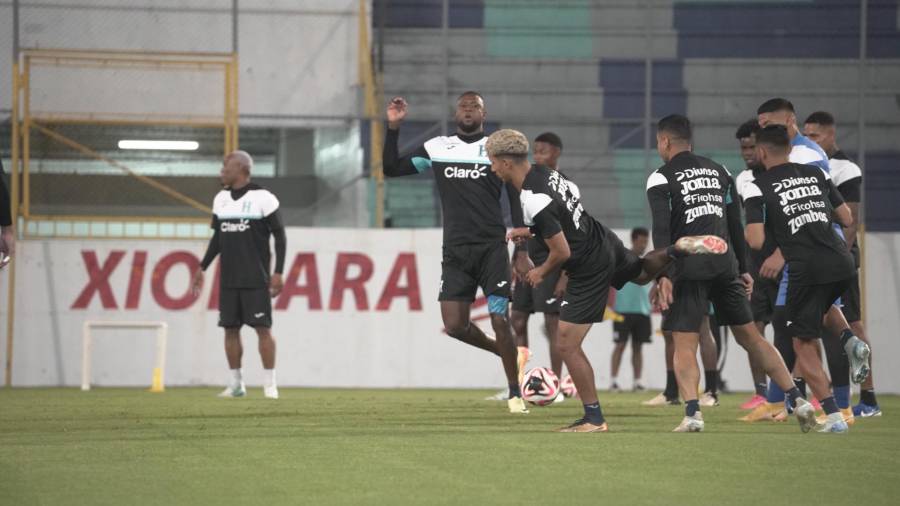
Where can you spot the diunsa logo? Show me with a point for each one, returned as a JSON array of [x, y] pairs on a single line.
[[458, 173]]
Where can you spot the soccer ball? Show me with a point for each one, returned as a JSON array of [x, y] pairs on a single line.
[[568, 387], [540, 386]]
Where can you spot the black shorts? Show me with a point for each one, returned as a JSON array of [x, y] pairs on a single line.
[[635, 326], [245, 306], [587, 292], [537, 299], [806, 305], [691, 300], [468, 266], [762, 301], [851, 299]]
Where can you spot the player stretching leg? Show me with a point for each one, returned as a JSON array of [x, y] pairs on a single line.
[[820, 127], [633, 303], [692, 195], [475, 252], [797, 203], [590, 253], [244, 216], [544, 298]]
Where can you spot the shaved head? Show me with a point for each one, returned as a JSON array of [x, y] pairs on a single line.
[[243, 159]]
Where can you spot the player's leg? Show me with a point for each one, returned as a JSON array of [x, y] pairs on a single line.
[[688, 375], [459, 326], [267, 354], [551, 326], [256, 305], [654, 262], [230, 318], [868, 402], [519, 321], [637, 356], [709, 357], [570, 338], [621, 332], [669, 396], [522, 308], [856, 350]]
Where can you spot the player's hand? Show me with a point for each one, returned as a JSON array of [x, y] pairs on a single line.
[[396, 112], [275, 285], [535, 276], [747, 279], [773, 265], [560, 289], [521, 265], [519, 235], [663, 293], [197, 283], [8, 241]]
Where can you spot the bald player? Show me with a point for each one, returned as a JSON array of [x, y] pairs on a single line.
[[245, 215]]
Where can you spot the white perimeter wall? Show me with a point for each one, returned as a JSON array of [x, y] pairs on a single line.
[[342, 343]]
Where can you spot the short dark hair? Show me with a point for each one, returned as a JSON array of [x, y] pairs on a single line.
[[820, 118], [774, 136], [677, 126], [747, 128], [774, 105], [469, 93], [639, 232], [550, 138]]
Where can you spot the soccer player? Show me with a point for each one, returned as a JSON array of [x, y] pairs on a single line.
[[7, 232], [765, 290], [245, 215], [475, 252], [633, 304], [779, 111], [590, 253], [544, 298], [797, 204], [847, 177], [691, 195]]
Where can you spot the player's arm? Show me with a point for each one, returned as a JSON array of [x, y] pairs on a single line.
[[7, 232], [393, 164], [272, 216], [841, 210], [546, 222], [755, 231], [212, 251], [735, 226], [851, 190], [659, 198], [520, 252]]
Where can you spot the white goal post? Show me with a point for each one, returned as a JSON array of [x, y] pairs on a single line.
[[162, 330]]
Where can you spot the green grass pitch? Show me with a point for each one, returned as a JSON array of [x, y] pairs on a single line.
[[423, 447]]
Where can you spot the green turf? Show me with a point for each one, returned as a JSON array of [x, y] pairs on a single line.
[[118, 446]]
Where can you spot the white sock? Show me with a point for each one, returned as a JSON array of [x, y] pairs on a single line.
[[613, 381], [638, 383], [236, 377], [269, 377]]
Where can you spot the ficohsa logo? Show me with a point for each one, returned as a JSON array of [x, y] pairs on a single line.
[[458, 173]]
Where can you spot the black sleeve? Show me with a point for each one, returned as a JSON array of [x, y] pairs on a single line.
[[5, 204], [395, 165], [736, 227], [547, 223], [277, 227], [755, 210], [515, 206], [834, 195], [660, 210], [851, 190], [212, 250]]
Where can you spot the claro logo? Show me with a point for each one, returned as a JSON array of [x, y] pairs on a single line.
[[458, 173], [241, 226]]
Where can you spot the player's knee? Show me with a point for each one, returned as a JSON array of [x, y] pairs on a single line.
[[457, 329]]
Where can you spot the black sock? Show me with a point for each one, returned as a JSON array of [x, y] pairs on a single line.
[[792, 395], [691, 407], [712, 381], [593, 413], [829, 405], [846, 334], [868, 397], [514, 390], [761, 389], [800, 383], [671, 392]]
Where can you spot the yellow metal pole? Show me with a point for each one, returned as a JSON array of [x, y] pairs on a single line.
[[26, 139], [11, 268], [227, 117], [235, 103], [371, 104]]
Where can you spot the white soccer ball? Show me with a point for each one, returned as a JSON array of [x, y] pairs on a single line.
[[540, 386], [568, 387]]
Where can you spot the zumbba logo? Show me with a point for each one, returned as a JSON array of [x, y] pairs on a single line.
[[477, 172]]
